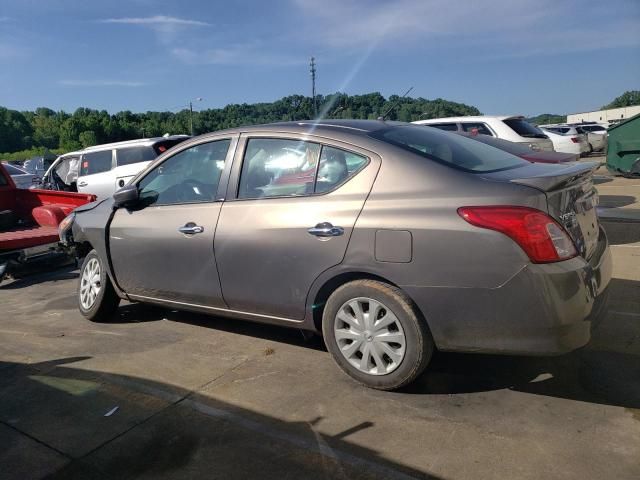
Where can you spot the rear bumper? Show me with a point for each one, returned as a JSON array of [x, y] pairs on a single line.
[[542, 310]]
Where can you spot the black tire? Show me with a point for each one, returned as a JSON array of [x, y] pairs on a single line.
[[419, 345], [106, 301], [590, 149]]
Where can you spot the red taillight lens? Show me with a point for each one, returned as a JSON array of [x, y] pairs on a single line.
[[575, 139], [539, 235]]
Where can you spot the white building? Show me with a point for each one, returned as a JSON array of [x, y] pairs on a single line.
[[612, 115]]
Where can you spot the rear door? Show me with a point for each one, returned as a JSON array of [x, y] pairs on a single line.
[[288, 217], [95, 174], [164, 248]]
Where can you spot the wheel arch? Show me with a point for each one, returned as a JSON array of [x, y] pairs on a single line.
[[329, 285]]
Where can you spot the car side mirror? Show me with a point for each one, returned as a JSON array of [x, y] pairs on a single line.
[[127, 196]]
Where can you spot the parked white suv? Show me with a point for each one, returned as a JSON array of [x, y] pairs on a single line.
[[515, 129], [103, 169], [566, 139]]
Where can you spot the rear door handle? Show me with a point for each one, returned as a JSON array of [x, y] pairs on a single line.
[[191, 229], [83, 184], [325, 229]]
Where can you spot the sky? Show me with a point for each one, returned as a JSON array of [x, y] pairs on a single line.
[[502, 56]]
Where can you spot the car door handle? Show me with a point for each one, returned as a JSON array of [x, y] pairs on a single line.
[[325, 229], [191, 229], [83, 184]]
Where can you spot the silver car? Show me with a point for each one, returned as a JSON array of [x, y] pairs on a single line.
[[392, 240], [21, 177]]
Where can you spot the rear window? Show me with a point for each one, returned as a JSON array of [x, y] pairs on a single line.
[[523, 128], [450, 149], [561, 130], [127, 156], [510, 147]]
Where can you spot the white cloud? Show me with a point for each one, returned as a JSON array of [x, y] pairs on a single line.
[[157, 21], [100, 83], [8, 51], [526, 25], [248, 54]]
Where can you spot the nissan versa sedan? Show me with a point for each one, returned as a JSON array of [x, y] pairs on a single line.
[[392, 240]]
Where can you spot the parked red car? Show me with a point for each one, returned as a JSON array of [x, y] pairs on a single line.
[[29, 222]]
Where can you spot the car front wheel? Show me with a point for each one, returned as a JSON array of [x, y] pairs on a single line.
[[375, 334], [97, 300]]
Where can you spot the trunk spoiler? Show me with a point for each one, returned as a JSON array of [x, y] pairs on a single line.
[[558, 178]]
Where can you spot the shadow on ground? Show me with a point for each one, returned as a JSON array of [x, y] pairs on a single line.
[[61, 422], [605, 372], [616, 201]]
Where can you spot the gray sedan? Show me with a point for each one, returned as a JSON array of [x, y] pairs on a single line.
[[392, 240]]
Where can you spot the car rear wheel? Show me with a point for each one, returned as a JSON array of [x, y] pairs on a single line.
[[97, 300], [375, 334]]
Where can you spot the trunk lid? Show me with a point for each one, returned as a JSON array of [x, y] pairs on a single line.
[[571, 197]]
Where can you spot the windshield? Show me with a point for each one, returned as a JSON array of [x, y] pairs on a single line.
[[524, 128], [12, 170], [450, 149]]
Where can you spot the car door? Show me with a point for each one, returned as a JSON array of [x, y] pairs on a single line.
[[288, 217], [163, 249], [95, 173]]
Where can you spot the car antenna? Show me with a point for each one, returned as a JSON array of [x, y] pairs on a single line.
[[383, 117]]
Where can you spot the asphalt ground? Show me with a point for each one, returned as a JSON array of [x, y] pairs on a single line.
[[164, 394]]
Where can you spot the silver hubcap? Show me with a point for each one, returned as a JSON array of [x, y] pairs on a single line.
[[369, 336], [90, 284]]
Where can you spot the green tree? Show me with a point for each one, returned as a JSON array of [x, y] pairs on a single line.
[[627, 99], [88, 138]]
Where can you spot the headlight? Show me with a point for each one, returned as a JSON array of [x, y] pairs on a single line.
[[65, 225]]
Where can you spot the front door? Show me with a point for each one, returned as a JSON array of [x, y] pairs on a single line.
[[295, 208], [164, 248]]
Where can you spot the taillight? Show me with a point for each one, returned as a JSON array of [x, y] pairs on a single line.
[[575, 139], [539, 235]]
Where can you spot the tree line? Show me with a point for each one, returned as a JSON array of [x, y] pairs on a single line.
[[28, 133]]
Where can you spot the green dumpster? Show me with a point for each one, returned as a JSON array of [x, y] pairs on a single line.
[[623, 154]]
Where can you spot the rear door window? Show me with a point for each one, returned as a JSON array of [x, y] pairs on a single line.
[[451, 127], [96, 162], [476, 128], [127, 156]]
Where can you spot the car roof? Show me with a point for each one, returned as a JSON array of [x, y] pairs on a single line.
[[318, 127], [474, 118], [132, 143]]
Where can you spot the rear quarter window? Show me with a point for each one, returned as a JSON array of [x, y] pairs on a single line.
[[450, 149], [450, 127], [127, 156]]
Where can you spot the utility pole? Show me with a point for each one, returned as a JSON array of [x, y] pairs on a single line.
[[313, 86], [191, 116], [198, 99]]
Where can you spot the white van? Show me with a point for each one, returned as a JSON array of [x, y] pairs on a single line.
[[103, 169], [513, 128]]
